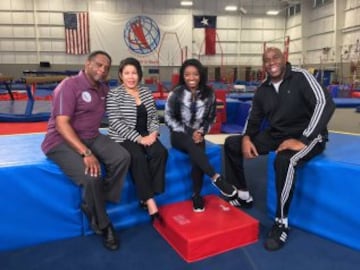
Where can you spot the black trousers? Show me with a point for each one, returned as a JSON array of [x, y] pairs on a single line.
[[285, 164], [148, 164], [96, 190], [199, 160]]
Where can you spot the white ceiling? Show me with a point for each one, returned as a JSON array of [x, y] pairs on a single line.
[[252, 7]]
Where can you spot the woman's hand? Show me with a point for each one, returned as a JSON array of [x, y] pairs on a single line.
[[149, 139], [198, 136]]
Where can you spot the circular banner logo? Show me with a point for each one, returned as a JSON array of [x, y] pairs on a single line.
[[142, 35]]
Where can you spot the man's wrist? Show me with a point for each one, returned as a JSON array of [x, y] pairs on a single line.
[[86, 153]]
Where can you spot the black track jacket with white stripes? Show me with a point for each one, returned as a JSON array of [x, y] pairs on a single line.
[[301, 109]]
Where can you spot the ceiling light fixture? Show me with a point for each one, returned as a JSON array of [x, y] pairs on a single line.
[[186, 3], [243, 10], [231, 8], [272, 12]]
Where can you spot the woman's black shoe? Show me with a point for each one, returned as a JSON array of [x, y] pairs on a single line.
[[156, 217], [110, 238], [143, 205]]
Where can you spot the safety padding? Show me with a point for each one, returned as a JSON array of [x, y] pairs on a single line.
[[38, 203], [195, 236], [326, 196], [237, 112], [346, 102], [178, 187]]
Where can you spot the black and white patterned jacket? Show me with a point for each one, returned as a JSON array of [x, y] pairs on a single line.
[[185, 112], [122, 114]]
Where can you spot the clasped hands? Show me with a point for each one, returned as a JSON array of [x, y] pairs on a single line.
[[149, 139], [198, 136]]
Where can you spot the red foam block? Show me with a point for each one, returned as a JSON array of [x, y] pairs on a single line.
[[195, 236]]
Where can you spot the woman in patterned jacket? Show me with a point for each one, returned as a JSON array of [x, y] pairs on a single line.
[[133, 122], [189, 113]]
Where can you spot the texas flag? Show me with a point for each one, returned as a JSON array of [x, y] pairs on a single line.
[[209, 23]]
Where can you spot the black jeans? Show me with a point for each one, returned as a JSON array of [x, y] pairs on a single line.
[[199, 160]]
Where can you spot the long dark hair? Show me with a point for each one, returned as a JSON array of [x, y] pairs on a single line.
[[205, 90]]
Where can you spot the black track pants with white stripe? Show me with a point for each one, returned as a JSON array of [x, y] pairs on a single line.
[[285, 164]]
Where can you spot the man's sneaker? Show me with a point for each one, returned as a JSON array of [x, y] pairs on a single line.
[[198, 203], [225, 188], [237, 202], [276, 237]]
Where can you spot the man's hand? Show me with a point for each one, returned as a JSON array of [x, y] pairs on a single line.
[[92, 166], [248, 148], [290, 144]]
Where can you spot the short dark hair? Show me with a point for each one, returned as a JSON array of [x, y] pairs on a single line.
[[132, 62], [95, 53]]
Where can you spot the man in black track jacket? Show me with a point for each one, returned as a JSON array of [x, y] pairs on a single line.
[[296, 110]]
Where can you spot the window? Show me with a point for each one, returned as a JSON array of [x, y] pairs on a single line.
[[293, 10], [319, 3]]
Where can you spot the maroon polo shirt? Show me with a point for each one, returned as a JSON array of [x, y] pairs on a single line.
[[84, 104]]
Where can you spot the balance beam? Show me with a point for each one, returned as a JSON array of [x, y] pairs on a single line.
[[44, 79]]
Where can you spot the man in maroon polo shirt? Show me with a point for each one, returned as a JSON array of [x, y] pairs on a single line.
[[73, 141]]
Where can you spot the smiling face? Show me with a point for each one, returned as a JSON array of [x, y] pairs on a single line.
[[274, 64], [97, 68], [191, 77], [129, 76]]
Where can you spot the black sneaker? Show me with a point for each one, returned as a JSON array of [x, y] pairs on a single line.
[[276, 237], [224, 187], [198, 203], [237, 202]]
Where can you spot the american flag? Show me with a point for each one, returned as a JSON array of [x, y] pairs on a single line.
[[76, 32]]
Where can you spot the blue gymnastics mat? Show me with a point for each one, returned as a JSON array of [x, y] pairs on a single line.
[[40, 204], [326, 197]]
